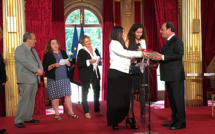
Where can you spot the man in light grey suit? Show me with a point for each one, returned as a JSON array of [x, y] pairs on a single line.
[[28, 69]]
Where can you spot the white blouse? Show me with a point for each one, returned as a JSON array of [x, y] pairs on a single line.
[[120, 58], [94, 56]]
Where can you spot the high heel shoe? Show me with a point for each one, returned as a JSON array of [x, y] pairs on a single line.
[[72, 115], [115, 127], [57, 117], [132, 124], [99, 113]]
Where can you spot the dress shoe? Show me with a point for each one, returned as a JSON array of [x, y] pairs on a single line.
[[169, 124], [32, 121], [178, 125], [20, 125], [115, 127], [2, 131], [99, 113]]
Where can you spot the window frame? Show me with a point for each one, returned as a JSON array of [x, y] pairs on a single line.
[[81, 8]]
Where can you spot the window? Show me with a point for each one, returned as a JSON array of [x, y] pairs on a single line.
[[91, 24]]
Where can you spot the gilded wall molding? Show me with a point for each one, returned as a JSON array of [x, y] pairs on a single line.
[[13, 32], [192, 58]]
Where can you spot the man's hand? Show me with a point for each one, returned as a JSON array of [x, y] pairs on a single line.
[[39, 72], [158, 57]]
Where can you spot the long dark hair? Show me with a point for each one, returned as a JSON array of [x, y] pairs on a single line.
[[131, 34], [116, 34]]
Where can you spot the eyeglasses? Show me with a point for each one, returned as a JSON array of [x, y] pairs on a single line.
[[162, 29], [34, 39]]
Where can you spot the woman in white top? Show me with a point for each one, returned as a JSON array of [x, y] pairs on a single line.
[[119, 81]]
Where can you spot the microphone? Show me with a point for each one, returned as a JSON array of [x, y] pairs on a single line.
[[147, 62]]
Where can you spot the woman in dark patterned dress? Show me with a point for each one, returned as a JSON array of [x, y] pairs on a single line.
[[58, 83], [136, 41]]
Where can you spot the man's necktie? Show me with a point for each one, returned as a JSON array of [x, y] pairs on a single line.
[[164, 46], [34, 56]]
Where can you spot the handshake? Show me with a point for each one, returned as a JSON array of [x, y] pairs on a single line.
[[149, 54]]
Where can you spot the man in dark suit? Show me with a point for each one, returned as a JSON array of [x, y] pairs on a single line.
[[172, 72], [28, 69], [3, 77]]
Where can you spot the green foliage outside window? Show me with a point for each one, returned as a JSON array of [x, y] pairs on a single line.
[[71, 18], [94, 33], [90, 18]]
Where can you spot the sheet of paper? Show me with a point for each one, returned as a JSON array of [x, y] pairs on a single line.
[[63, 61]]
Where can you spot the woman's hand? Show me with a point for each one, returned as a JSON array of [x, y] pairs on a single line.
[[139, 49], [50, 67], [68, 64], [92, 60], [144, 54], [99, 63], [56, 65]]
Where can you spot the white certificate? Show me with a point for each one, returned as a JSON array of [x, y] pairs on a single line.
[[63, 61]]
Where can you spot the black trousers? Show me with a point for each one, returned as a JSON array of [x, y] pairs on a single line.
[[96, 89], [175, 90]]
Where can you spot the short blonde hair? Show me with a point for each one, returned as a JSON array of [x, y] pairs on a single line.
[[83, 38]]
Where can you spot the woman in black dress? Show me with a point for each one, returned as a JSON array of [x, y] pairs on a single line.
[[136, 41]]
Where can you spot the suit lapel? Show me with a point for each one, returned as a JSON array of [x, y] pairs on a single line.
[[164, 46], [167, 44], [29, 51]]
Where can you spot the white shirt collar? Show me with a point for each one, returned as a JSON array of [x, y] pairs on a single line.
[[27, 46], [170, 37]]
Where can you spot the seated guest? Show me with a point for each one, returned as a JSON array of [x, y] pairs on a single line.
[[88, 61], [58, 83]]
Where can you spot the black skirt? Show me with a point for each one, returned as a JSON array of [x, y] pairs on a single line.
[[118, 96]]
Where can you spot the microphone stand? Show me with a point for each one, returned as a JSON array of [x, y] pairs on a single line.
[[148, 69], [149, 105]]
